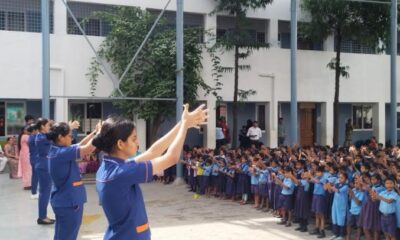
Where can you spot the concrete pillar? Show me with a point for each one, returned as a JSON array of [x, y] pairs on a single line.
[[378, 122], [60, 18], [210, 24], [272, 124], [273, 33], [327, 123], [141, 133], [57, 88], [209, 129], [329, 44]]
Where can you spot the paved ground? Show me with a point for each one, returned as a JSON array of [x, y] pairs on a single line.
[[173, 214]]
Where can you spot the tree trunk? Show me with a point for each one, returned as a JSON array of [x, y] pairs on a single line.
[[154, 128], [337, 90]]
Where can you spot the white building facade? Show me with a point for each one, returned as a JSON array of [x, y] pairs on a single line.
[[364, 96]]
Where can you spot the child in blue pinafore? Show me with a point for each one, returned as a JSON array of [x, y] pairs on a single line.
[[254, 174], [339, 205], [303, 197], [263, 186], [230, 181]]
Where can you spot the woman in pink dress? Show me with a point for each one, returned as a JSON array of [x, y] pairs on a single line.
[[24, 166], [11, 152]]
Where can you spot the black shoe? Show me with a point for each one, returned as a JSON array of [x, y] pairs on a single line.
[[321, 234], [45, 222], [304, 229], [315, 232], [299, 228]]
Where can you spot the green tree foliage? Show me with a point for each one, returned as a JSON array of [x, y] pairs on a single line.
[[242, 43]]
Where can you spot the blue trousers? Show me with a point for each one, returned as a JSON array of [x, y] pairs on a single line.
[[44, 191], [68, 222], [34, 180]]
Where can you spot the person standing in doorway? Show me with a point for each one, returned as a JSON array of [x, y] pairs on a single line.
[[349, 133], [11, 152], [281, 132], [254, 133]]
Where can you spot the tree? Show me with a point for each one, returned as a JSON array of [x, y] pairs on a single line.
[[241, 42], [368, 23], [153, 74]]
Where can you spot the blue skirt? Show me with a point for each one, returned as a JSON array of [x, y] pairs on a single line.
[[230, 186], [318, 204], [255, 189], [286, 202], [263, 187], [302, 204]]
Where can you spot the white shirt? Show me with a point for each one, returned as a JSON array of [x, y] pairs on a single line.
[[254, 133], [219, 134]]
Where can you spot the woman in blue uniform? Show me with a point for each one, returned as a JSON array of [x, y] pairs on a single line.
[[42, 170], [117, 180], [68, 194], [32, 159]]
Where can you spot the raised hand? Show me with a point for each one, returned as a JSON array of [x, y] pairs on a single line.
[[196, 117], [98, 126], [73, 124]]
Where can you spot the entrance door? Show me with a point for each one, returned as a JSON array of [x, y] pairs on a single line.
[[307, 124]]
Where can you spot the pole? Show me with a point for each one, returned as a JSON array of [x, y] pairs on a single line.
[[179, 74], [393, 73], [293, 71], [45, 58]]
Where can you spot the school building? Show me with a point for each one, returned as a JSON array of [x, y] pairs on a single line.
[[364, 96]]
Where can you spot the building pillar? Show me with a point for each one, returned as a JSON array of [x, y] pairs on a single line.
[[272, 124], [59, 18], [327, 123], [209, 129], [329, 43], [273, 33], [378, 123]]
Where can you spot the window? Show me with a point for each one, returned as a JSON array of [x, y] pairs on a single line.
[[34, 22], [355, 46], [362, 116], [15, 113], [88, 115], [16, 21], [260, 116], [2, 119], [2, 21]]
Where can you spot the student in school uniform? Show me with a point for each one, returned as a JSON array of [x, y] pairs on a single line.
[[263, 186], [303, 198], [319, 202], [255, 190], [286, 196], [205, 189], [32, 160], [117, 181], [356, 195], [42, 145], [230, 181], [339, 206], [68, 194], [387, 208], [370, 219], [214, 176], [221, 180], [242, 182]]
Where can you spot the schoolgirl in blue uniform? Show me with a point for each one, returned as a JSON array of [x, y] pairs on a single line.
[[339, 205], [214, 177], [42, 145], [286, 197], [370, 217], [319, 202], [117, 181], [387, 208], [356, 195], [303, 197], [222, 179], [243, 182], [205, 188], [263, 186], [68, 194], [230, 181], [254, 175], [33, 160]]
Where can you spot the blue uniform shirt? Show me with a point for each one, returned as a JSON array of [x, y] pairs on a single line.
[[32, 149], [254, 179], [388, 208], [319, 186], [117, 184], [305, 184], [68, 189], [215, 168], [290, 186], [355, 209], [263, 177], [42, 147], [207, 171], [245, 168]]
